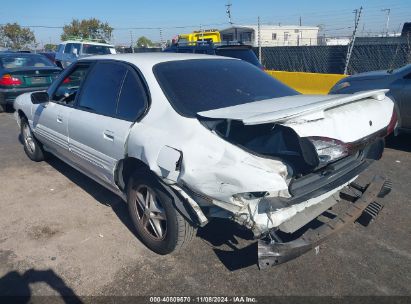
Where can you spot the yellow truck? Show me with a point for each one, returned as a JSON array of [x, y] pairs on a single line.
[[204, 35]]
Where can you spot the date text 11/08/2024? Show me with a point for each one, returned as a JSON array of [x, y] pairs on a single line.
[[205, 299]]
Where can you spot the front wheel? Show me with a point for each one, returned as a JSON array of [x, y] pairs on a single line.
[[32, 147], [160, 226]]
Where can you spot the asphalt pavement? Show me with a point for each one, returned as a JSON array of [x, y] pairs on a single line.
[[63, 234]]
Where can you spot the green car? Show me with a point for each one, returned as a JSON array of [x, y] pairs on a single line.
[[21, 73]]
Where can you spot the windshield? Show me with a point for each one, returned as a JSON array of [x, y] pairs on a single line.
[[92, 49], [193, 86], [244, 54], [15, 61]]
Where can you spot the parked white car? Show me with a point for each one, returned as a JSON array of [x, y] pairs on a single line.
[[185, 138]]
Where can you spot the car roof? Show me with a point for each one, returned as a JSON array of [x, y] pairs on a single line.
[[153, 58], [87, 42], [19, 54]]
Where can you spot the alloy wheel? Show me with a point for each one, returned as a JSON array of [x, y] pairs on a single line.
[[28, 138], [150, 213]]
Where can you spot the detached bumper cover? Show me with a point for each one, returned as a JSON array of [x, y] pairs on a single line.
[[272, 253]]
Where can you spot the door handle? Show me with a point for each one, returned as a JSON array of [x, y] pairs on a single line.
[[108, 135], [59, 118]]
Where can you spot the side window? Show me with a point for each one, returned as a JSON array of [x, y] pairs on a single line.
[[133, 98], [67, 48], [61, 48], [67, 90], [76, 46], [100, 92], [71, 46]]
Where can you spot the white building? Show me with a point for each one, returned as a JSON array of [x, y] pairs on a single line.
[[337, 41], [272, 35]]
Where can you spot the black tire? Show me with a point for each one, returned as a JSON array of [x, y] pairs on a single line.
[[2, 103], [32, 147], [178, 233]]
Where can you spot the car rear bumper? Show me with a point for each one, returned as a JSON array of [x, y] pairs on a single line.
[[360, 200], [7, 96]]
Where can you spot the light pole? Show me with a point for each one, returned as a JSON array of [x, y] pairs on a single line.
[[388, 11]]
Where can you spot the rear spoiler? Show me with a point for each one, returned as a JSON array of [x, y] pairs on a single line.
[[284, 115]]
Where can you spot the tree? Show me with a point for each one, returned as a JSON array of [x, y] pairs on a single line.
[[14, 36], [87, 29], [50, 47], [144, 42]]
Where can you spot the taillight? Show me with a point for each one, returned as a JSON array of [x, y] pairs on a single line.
[[393, 122], [9, 80], [66, 80], [329, 149]]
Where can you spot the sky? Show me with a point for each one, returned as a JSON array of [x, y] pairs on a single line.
[[135, 18]]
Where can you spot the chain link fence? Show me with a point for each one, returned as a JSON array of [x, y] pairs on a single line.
[[369, 54]]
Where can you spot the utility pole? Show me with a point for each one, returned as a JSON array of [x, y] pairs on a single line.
[[388, 11], [131, 41], [202, 32], [354, 35], [300, 21], [259, 38], [161, 39], [228, 12]]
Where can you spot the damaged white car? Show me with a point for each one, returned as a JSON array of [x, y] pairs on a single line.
[[186, 138]]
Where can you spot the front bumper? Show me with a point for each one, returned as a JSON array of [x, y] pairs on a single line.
[[361, 199]]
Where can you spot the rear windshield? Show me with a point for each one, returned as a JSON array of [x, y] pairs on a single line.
[[15, 61], [92, 49], [198, 85], [244, 54]]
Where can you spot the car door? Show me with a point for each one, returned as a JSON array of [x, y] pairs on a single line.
[[106, 109], [50, 120]]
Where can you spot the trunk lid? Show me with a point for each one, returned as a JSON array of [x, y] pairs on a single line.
[[344, 117], [34, 76]]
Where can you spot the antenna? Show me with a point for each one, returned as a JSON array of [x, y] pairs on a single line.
[[388, 11], [228, 11]]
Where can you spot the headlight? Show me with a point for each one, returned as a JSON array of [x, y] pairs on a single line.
[[340, 86]]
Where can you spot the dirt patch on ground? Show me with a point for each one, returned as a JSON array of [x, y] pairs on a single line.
[[42, 232]]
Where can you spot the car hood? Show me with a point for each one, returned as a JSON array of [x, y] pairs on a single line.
[[286, 108]]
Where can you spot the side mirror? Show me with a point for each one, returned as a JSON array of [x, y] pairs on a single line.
[[39, 97]]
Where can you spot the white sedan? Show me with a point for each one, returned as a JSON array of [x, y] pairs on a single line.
[[185, 138]]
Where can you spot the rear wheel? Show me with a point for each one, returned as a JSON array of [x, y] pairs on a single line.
[[32, 147], [160, 226]]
